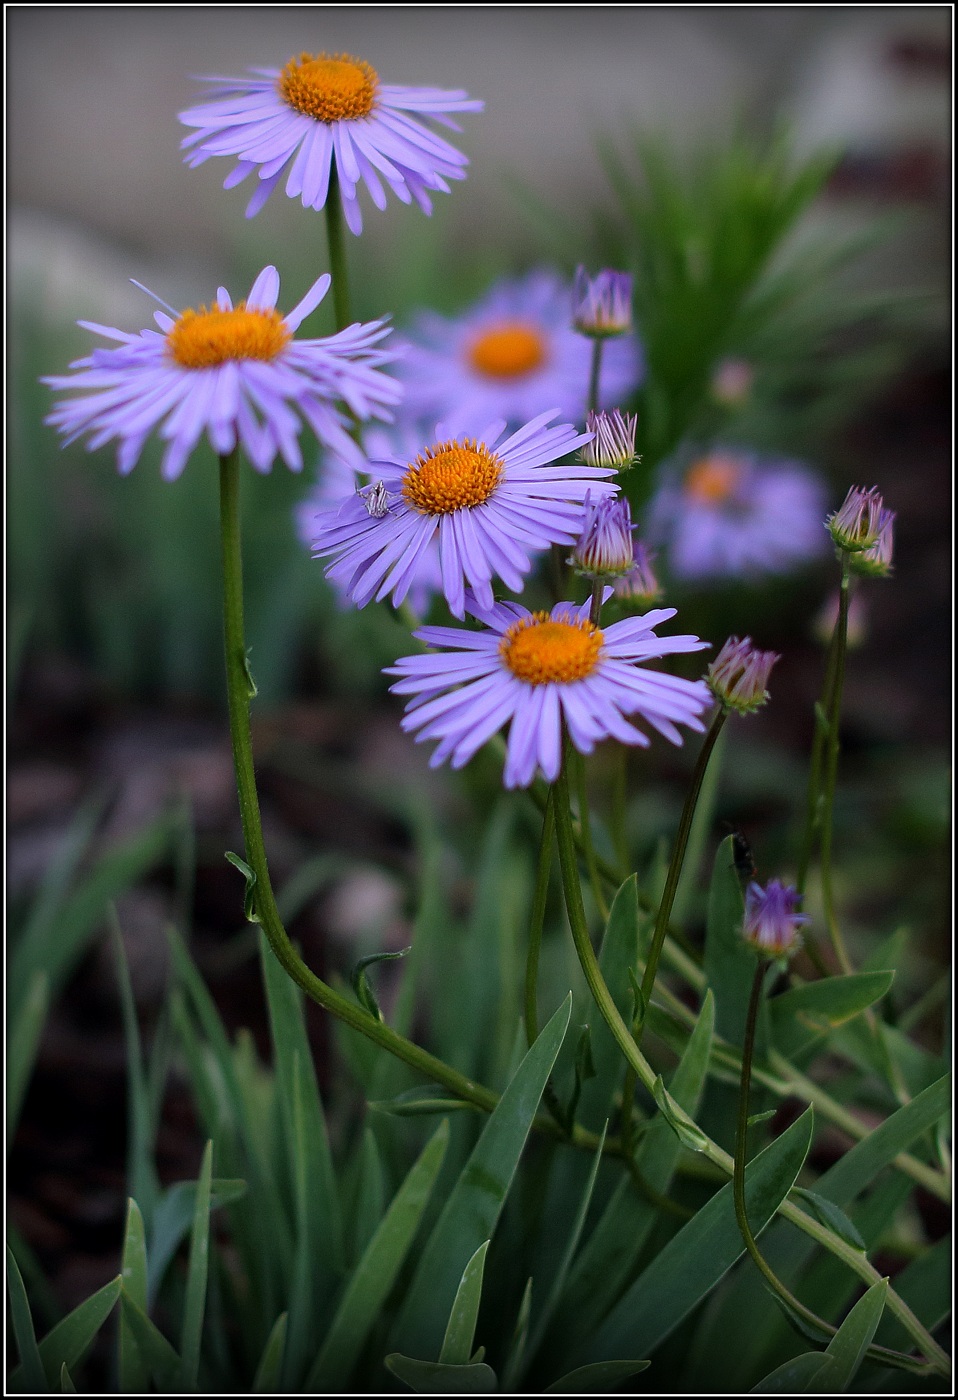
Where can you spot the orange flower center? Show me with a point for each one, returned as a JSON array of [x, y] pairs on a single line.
[[507, 351], [329, 87], [450, 476], [538, 649], [712, 480], [203, 338]]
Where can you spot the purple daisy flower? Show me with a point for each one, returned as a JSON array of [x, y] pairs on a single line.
[[538, 671], [736, 515], [341, 482], [235, 372], [323, 111], [488, 503], [771, 924], [511, 355]]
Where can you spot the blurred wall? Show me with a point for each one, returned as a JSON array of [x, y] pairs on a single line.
[[93, 94]]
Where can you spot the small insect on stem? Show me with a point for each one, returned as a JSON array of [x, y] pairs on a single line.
[[375, 498], [743, 861]]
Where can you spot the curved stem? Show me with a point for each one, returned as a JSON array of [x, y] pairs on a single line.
[[335, 232], [831, 770], [585, 826], [595, 370], [813, 798], [675, 864], [938, 1359], [794, 1305], [536, 922]]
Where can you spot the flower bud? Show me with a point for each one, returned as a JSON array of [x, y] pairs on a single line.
[[771, 924], [613, 440], [860, 521], [732, 382], [640, 584], [602, 305], [875, 561], [739, 674], [604, 549]]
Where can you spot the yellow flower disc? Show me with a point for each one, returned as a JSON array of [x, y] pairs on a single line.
[[207, 337], [329, 87], [508, 351], [538, 649], [450, 476]]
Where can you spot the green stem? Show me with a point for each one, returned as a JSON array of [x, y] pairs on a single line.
[[585, 826], [813, 799], [595, 370], [335, 232], [620, 791], [811, 1319], [831, 771], [675, 864], [939, 1360], [537, 920]]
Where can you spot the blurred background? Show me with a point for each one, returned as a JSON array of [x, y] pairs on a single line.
[[116, 719]]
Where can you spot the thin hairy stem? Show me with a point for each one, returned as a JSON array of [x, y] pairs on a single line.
[[336, 234]]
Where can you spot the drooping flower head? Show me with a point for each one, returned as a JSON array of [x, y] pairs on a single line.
[[538, 671], [512, 355], [487, 502], [604, 548], [602, 305], [861, 520], [340, 482], [613, 440], [739, 674], [235, 372], [323, 113], [771, 924], [640, 585], [734, 515]]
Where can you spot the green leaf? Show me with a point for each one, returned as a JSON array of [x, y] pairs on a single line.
[[470, 1214], [925, 1284], [802, 1015], [369, 1202], [598, 1276], [376, 1272], [729, 963], [793, 1377], [133, 1272], [266, 1381], [160, 1357], [360, 980], [862, 1163], [24, 1030], [697, 1257], [142, 1181], [461, 1328], [437, 1378], [565, 1264], [847, 1348], [687, 1131], [830, 1215], [517, 1347], [174, 1215], [66, 1382], [66, 1343], [420, 1102], [194, 1305], [57, 943], [596, 1378], [31, 1367], [249, 874]]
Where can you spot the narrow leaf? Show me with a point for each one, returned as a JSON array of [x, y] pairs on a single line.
[[847, 1348], [729, 964], [160, 1357], [376, 1272], [68, 1341], [133, 1271], [266, 1380], [596, 1378], [802, 1015], [472, 1209], [687, 1131], [197, 1271], [437, 1378], [669, 1288], [24, 1030], [31, 1367], [174, 1215], [793, 1377], [461, 1327], [420, 1102], [66, 1382], [617, 956], [830, 1215]]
